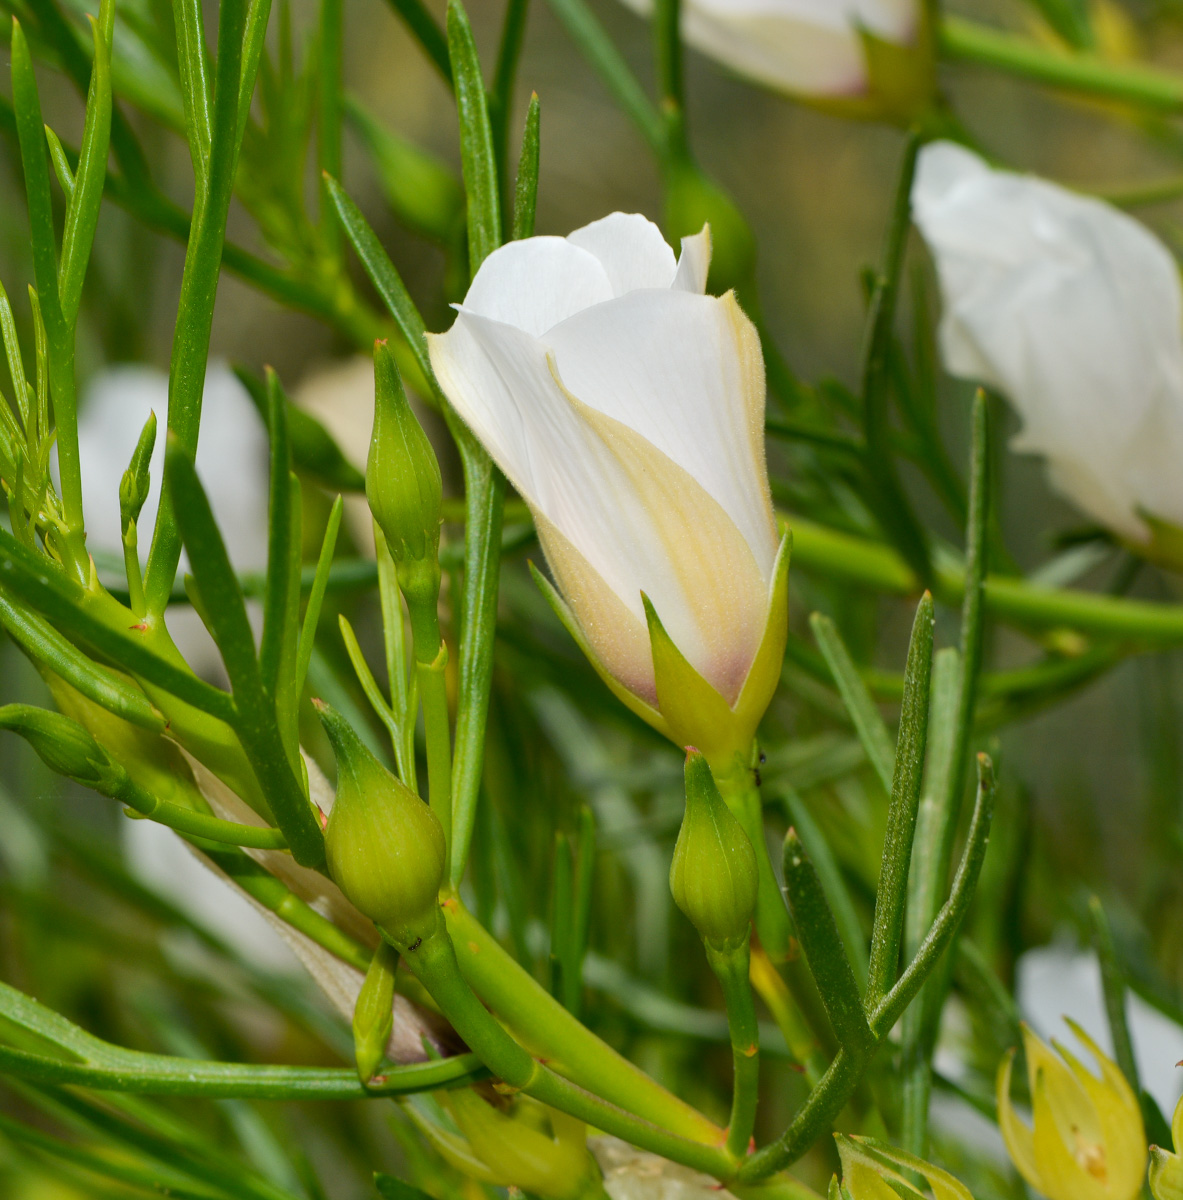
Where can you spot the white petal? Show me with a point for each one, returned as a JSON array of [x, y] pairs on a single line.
[[631, 250], [1073, 310], [695, 263], [684, 371], [536, 283]]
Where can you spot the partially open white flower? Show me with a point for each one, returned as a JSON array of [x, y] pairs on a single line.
[[1072, 310], [806, 47], [627, 408]]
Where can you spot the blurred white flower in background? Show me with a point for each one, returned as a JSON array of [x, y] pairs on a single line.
[[1073, 311], [632, 1174], [1054, 982], [806, 47], [232, 462]]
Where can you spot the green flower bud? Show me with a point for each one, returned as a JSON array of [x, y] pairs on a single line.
[[385, 847], [403, 482], [63, 745], [373, 1014], [714, 873], [692, 201], [133, 487], [1166, 1174]]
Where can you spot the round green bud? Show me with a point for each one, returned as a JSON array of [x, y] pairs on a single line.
[[692, 201], [403, 482], [714, 873], [385, 848], [63, 745]]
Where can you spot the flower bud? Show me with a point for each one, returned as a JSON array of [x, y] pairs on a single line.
[[509, 1151], [870, 1167], [384, 846], [1166, 1169], [373, 1014], [133, 487], [403, 482], [714, 874], [1088, 1138], [63, 745]]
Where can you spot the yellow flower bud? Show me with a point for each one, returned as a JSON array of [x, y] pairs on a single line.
[[384, 846], [1087, 1141], [713, 875], [1166, 1169], [868, 1165]]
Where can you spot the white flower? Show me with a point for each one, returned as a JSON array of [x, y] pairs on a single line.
[[627, 408], [1072, 310], [807, 47]]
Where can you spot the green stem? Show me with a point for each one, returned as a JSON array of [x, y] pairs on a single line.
[[731, 970], [1144, 86], [434, 691], [858, 560], [551, 1032], [774, 926], [433, 962], [773, 990]]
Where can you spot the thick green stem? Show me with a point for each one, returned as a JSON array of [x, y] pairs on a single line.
[[1146, 87], [433, 962], [731, 970], [551, 1032]]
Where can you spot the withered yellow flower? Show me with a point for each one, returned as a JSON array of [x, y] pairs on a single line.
[[1087, 1141]]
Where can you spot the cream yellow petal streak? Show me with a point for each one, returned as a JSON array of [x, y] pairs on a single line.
[[685, 372], [707, 589]]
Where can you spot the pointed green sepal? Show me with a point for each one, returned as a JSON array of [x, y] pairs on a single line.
[[373, 1014]]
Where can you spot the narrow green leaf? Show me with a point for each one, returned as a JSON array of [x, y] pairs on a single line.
[[823, 948], [589, 35], [369, 685], [316, 593], [891, 505], [203, 255], [505, 74], [16, 367], [1114, 988], [82, 212], [830, 875], [891, 894], [45, 646], [477, 156], [256, 724], [525, 201], [384, 277], [427, 33], [31, 132], [329, 115], [944, 928], [193, 65], [282, 596], [868, 721]]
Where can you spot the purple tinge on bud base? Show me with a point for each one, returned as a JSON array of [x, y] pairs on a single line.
[[627, 408]]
